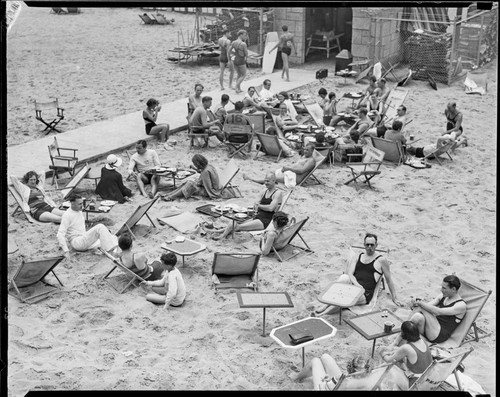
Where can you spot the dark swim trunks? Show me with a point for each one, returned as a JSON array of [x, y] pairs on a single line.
[[286, 50]]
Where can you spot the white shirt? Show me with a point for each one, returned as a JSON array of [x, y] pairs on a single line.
[[72, 225], [144, 161], [176, 288], [266, 94]]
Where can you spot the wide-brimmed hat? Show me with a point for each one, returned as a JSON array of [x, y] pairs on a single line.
[[113, 162]]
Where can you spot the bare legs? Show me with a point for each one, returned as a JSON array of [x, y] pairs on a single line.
[[53, 216], [427, 324], [143, 179], [250, 225], [261, 181], [162, 131], [221, 76], [318, 368], [284, 57], [241, 70], [158, 296]]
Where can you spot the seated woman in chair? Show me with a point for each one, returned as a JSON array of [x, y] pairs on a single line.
[[284, 144], [111, 186], [269, 202], [137, 262], [150, 114], [42, 208], [326, 373], [270, 237]]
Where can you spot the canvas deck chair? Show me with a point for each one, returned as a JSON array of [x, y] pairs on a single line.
[[160, 18], [227, 175], [342, 383], [368, 168], [49, 125], [434, 377], [393, 150], [139, 212], [28, 283], [270, 145], [468, 331], [445, 149], [73, 10], [258, 233], [57, 10], [315, 112], [132, 278], [286, 237], [74, 181], [61, 162], [320, 160], [235, 270], [195, 135], [20, 204], [238, 137], [147, 19]]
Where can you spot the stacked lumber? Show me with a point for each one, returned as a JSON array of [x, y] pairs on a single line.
[[426, 18]]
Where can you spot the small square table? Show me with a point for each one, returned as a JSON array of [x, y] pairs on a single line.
[[172, 174], [371, 325], [342, 295], [207, 210], [317, 327], [264, 300], [353, 96], [86, 209], [185, 248]]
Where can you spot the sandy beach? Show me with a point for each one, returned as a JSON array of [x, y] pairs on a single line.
[[103, 63]]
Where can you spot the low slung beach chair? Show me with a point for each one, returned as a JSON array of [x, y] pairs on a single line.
[[468, 331], [382, 373], [74, 181], [57, 10], [195, 135], [445, 149], [49, 125], [319, 160], [286, 237], [73, 10], [140, 211], [147, 19], [238, 137], [315, 112], [235, 270], [61, 162], [132, 278], [434, 377], [160, 18], [227, 175], [20, 204], [393, 150], [368, 168], [258, 233], [270, 145], [28, 283]]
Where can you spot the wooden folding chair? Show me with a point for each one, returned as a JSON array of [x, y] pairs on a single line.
[[239, 137], [393, 150], [147, 19], [270, 145], [194, 135], [160, 18], [139, 212], [74, 181], [319, 159], [227, 175], [61, 162], [19, 207], [445, 149], [258, 233], [285, 238], [369, 168], [315, 112], [235, 270], [382, 371], [57, 10], [131, 276], [49, 125]]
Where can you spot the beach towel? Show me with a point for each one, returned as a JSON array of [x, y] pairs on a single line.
[[185, 222]]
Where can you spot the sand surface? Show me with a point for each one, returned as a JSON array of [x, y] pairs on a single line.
[[103, 63]]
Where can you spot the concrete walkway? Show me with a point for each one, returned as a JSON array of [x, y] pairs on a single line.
[[99, 139]]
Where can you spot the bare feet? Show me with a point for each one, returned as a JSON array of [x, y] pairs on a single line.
[[151, 195]]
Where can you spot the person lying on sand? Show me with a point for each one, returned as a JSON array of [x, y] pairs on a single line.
[[412, 354], [437, 319], [140, 162], [300, 169], [365, 272], [110, 186], [72, 231], [326, 373], [271, 236], [170, 290], [137, 261], [269, 201]]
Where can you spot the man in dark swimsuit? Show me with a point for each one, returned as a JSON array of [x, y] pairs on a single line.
[[365, 272], [438, 319], [238, 50], [224, 59]]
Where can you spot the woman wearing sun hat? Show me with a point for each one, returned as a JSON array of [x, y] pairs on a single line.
[[111, 185]]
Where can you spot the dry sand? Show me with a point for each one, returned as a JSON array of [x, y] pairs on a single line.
[[435, 221]]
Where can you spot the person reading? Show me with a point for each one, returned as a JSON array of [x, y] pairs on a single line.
[[142, 161], [110, 186]]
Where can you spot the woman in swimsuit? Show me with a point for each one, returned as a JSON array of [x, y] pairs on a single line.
[[150, 114], [42, 208], [285, 44], [454, 127], [137, 262], [269, 202], [270, 236], [325, 374]]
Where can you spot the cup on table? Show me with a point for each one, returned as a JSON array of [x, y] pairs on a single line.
[[388, 326]]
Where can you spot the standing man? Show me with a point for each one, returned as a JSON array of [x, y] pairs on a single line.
[[239, 51], [72, 231], [285, 44], [144, 160], [224, 59]]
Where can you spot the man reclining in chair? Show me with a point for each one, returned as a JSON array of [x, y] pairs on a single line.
[[299, 170], [437, 319], [72, 230], [365, 273], [424, 151]]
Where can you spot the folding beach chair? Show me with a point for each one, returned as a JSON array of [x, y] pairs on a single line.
[[57, 10], [73, 10], [160, 18], [60, 162], [434, 377], [74, 181], [147, 20], [445, 149], [20, 204], [315, 112], [194, 135], [139, 212], [131, 276], [258, 233], [270, 145], [238, 137], [319, 159], [327, 153], [393, 150], [285, 238], [235, 270], [28, 283], [368, 168], [227, 175], [49, 125], [468, 331], [383, 372]]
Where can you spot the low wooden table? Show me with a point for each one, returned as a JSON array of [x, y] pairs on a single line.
[[371, 325], [317, 327], [341, 295], [185, 248], [185, 173], [263, 300]]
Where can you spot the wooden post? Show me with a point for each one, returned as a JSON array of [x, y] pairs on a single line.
[[479, 44]]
